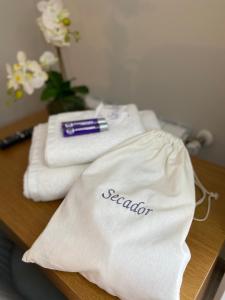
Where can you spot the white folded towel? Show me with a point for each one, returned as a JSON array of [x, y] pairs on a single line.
[[42, 183], [124, 122], [149, 120]]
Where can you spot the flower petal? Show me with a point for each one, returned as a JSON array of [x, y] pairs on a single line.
[[38, 81], [8, 69], [21, 57], [42, 5], [28, 87], [57, 5], [47, 59]]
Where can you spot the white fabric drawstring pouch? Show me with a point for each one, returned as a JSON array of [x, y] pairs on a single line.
[[43, 183], [124, 223], [124, 122]]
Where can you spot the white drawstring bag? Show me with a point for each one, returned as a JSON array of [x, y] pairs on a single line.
[[124, 223]]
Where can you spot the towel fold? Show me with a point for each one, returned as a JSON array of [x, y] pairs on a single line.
[[124, 122], [43, 183], [149, 120]]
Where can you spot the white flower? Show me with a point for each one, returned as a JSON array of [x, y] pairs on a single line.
[[36, 76], [28, 88], [26, 75], [54, 22], [48, 59], [55, 5], [21, 57], [12, 83]]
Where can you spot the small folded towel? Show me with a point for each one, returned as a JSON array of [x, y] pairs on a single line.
[[42, 183], [149, 120], [124, 122]]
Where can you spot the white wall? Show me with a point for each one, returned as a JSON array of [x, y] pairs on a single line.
[[160, 54], [18, 31]]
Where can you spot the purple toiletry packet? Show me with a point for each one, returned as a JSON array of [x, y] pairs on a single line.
[[83, 123], [75, 131]]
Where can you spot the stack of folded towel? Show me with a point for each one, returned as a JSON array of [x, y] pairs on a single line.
[[55, 162]]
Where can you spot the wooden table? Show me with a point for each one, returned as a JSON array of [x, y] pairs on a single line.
[[25, 220]]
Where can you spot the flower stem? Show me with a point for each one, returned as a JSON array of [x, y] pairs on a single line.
[[61, 62]]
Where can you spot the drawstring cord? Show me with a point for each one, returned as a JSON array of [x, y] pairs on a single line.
[[205, 195]]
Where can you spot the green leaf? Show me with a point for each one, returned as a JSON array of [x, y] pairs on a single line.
[[54, 79], [81, 89], [66, 85], [49, 93], [74, 103], [65, 90]]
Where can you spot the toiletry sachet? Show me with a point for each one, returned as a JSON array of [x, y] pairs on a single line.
[[123, 120], [124, 223]]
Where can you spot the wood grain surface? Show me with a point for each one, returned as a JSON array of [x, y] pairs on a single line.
[[25, 220]]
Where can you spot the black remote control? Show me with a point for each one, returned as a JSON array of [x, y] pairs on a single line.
[[18, 137]]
